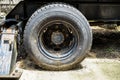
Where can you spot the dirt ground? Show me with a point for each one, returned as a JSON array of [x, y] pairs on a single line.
[[92, 69], [102, 62], [106, 42]]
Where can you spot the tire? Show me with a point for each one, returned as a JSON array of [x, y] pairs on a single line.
[[57, 36]]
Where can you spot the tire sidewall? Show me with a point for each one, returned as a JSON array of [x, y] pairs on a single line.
[[32, 35]]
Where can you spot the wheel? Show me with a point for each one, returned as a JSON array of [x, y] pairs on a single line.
[[57, 36]]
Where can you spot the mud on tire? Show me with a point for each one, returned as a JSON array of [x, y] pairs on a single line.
[[57, 36]]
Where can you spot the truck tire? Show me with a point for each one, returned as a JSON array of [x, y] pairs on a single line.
[[57, 36]]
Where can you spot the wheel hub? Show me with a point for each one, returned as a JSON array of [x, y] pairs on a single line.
[[57, 38]]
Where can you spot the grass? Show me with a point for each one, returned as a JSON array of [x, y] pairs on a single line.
[[110, 50]]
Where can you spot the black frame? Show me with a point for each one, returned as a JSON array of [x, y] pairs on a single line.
[[93, 10]]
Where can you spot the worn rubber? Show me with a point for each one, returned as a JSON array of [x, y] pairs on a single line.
[[30, 36]]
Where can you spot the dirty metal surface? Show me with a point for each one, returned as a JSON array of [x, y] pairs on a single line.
[[8, 52], [15, 75]]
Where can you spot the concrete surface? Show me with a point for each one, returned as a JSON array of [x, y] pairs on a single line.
[[93, 69]]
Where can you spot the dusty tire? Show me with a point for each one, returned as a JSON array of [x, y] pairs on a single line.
[[57, 36]]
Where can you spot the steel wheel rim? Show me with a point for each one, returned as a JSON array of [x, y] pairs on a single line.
[[62, 53]]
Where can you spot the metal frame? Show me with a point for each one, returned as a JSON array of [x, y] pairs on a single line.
[[95, 10]]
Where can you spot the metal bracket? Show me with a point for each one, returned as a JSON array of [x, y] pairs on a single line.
[[15, 75], [8, 51]]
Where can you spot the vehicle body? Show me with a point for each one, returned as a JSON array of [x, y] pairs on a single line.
[[97, 10], [63, 33]]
